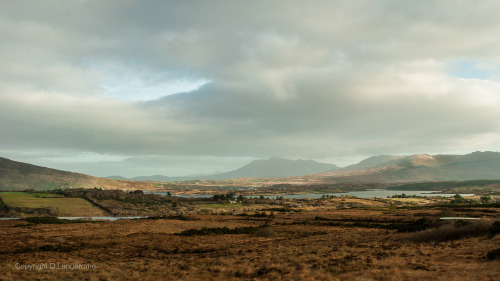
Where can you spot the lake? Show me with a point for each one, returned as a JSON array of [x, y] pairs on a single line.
[[100, 218], [369, 193]]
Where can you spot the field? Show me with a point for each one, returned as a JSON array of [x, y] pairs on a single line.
[[338, 238], [313, 244], [56, 203]]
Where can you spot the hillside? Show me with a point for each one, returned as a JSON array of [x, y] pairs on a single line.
[[20, 176], [373, 162], [421, 167]]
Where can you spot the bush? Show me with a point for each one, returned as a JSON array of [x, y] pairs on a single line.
[[493, 254], [265, 232], [495, 229], [220, 231], [418, 225], [260, 215], [44, 220], [454, 231], [55, 220]]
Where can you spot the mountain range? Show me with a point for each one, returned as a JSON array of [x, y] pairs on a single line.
[[421, 167], [381, 169], [377, 169], [274, 167]]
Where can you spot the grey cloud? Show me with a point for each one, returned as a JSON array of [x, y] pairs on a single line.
[[321, 79]]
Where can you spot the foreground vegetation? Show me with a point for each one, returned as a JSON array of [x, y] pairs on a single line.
[[310, 243], [232, 237]]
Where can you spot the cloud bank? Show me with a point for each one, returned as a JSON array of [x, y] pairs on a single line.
[[196, 86]]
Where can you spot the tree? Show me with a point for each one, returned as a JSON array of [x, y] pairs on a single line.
[[485, 199], [458, 199]]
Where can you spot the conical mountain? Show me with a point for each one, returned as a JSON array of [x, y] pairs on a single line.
[[277, 167]]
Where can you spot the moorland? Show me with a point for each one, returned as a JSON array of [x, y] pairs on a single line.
[[248, 228], [227, 237]]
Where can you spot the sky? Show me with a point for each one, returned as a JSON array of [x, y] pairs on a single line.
[[132, 88]]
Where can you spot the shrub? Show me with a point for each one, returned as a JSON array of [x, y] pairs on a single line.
[[495, 229], [493, 254], [55, 220], [44, 220], [454, 231], [265, 232], [309, 233], [260, 215], [418, 225], [220, 231]]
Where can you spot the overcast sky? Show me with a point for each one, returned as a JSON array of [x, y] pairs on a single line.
[[184, 87]]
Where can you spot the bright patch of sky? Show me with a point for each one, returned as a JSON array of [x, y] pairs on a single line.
[[142, 90], [138, 84], [470, 69]]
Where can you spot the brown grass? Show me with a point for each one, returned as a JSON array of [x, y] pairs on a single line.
[[150, 250]]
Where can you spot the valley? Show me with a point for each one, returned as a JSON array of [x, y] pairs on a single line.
[[275, 228]]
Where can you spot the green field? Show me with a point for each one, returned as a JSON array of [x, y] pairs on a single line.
[[65, 206]]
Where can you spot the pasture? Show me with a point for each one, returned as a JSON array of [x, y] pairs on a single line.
[[64, 206]]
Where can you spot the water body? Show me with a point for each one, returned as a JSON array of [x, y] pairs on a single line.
[[458, 218], [369, 193], [180, 195], [101, 218]]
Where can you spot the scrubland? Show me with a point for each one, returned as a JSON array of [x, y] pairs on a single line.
[[305, 242]]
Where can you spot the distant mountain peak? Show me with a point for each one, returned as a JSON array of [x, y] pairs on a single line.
[[274, 167], [479, 156], [275, 158], [117, 178], [279, 167]]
